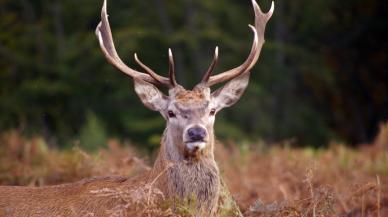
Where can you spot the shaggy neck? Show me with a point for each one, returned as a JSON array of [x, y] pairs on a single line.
[[182, 178]]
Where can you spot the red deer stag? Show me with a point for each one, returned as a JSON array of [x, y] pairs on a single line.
[[185, 166]]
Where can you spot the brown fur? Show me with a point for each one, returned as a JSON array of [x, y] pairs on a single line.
[[193, 177], [74, 199], [189, 97], [189, 177]]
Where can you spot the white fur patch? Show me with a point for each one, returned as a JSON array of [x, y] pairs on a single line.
[[195, 145]]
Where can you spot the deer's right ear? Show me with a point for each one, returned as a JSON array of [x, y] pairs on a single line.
[[151, 96]]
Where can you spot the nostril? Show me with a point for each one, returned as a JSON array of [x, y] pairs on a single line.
[[191, 132], [203, 133]]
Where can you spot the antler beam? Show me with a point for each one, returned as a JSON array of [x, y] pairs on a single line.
[[104, 35], [261, 20]]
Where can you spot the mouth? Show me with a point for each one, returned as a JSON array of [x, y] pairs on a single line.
[[194, 150], [195, 146], [194, 141]]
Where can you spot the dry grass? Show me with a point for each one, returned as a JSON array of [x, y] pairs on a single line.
[[338, 181], [335, 182], [30, 162]]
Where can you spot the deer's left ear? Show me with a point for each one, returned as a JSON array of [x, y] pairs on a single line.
[[151, 96], [231, 92]]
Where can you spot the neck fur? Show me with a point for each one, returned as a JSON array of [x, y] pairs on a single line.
[[187, 178]]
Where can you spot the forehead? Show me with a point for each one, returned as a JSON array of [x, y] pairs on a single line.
[[187, 100]]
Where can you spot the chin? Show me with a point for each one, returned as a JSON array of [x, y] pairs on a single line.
[[194, 150]]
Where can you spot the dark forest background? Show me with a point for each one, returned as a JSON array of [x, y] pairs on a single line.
[[322, 74]]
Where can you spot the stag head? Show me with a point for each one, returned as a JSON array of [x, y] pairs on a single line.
[[190, 114]]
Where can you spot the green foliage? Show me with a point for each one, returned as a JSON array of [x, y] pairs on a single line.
[[92, 135], [321, 75]]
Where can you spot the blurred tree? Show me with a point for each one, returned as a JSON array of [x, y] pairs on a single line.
[[322, 74], [93, 135]]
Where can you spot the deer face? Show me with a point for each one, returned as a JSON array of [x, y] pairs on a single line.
[[190, 117], [190, 114]]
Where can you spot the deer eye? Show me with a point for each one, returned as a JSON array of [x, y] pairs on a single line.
[[213, 111], [171, 114]]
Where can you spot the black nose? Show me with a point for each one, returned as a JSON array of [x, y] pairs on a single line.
[[196, 134]]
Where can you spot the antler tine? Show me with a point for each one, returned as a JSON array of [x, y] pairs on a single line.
[[208, 73], [153, 74], [261, 20], [171, 68], [104, 35]]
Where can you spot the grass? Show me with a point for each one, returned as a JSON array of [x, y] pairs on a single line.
[[276, 181]]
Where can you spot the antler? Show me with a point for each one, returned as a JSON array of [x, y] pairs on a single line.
[[104, 35], [261, 20], [171, 68], [211, 67]]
